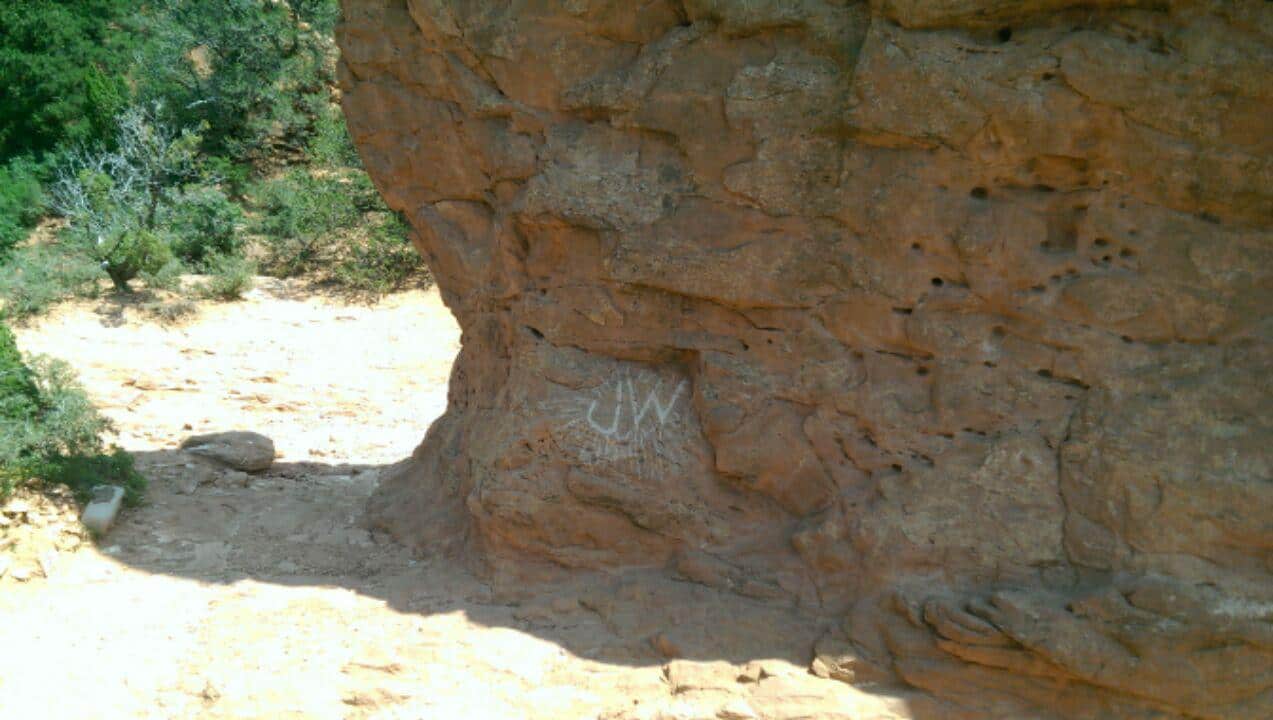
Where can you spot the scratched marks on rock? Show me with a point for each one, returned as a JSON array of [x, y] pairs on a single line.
[[635, 411], [637, 419]]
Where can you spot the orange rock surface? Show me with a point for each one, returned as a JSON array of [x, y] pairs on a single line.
[[946, 322]]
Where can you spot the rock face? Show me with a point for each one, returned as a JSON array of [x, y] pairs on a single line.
[[946, 318]]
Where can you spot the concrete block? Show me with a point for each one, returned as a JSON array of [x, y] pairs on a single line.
[[102, 511]]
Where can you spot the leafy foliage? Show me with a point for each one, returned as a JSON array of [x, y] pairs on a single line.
[[166, 277], [229, 277], [171, 112], [18, 392], [385, 261], [300, 215], [41, 275], [64, 422], [63, 69], [81, 473], [132, 253], [21, 202], [113, 199], [49, 431], [309, 223], [244, 67], [331, 144], [202, 223], [321, 15]]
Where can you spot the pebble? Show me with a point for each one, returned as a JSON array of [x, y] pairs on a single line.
[[47, 561], [17, 507], [210, 692], [736, 709]]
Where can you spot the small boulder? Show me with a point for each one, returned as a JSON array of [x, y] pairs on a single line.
[[835, 658], [237, 450], [688, 676]]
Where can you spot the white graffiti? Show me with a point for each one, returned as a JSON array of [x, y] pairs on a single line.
[[635, 422], [637, 411]]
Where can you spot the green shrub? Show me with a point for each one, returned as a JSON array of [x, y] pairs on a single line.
[[18, 391], [299, 218], [331, 144], [381, 263], [133, 253], [299, 204], [21, 203], [81, 473], [38, 276], [337, 224], [203, 222], [233, 176], [167, 312], [19, 406], [50, 432], [230, 276], [321, 14], [66, 422], [167, 277]]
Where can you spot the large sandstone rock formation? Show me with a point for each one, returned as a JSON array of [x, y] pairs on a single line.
[[948, 318]]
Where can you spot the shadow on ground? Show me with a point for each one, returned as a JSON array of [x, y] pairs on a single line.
[[301, 525]]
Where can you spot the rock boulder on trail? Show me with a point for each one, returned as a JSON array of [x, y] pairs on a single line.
[[944, 320], [237, 449]]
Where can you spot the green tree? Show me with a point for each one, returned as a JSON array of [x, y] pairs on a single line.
[[21, 202], [114, 198], [244, 67], [321, 15], [63, 65]]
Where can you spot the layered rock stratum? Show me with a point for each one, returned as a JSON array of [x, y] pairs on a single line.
[[945, 319]]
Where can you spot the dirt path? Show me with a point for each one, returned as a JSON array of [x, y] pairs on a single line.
[[265, 598]]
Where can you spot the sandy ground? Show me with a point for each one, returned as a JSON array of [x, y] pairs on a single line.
[[266, 598]]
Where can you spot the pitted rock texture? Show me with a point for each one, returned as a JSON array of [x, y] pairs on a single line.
[[946, 318]]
